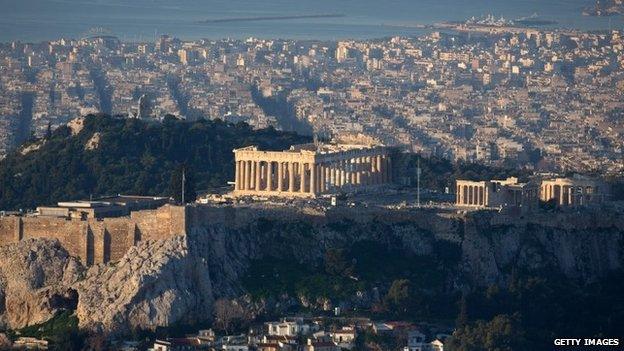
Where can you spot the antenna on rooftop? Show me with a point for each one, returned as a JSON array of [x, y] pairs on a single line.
[[183, 183], [418, 172]]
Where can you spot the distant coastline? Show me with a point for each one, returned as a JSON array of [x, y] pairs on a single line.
[[271, 18], [605, 8]]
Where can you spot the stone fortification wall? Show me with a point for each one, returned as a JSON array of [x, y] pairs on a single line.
[[97, 240]]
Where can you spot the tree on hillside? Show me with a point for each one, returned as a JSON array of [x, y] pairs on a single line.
[[398, 296], [462, 318], [337, 264], [131, 157], [502, 333]]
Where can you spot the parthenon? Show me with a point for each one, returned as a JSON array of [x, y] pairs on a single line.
[[309, 170]]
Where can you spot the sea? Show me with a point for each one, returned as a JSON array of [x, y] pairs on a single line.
[[144, 20]]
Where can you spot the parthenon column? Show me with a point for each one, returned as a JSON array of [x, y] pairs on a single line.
[[269, 176], [247, 175], [302, 171], [280, 176], [250, 174], [258, 174], [313, 178], [375, 170], [291, 177], [341, 174]]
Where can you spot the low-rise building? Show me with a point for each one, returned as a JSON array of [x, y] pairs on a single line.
[[105, 207], [575, 191], [290, 327], [508, 193]]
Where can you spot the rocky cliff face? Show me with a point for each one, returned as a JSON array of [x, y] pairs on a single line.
[[36, 278], [155, 284], [159, 283], [583, 246]]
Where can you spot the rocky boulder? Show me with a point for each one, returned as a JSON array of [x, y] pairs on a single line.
[[156, 283], [36, 276]]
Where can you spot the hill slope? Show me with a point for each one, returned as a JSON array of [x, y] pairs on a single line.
[[125, 156]]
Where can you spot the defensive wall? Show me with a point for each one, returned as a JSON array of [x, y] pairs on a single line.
[[97, 240]]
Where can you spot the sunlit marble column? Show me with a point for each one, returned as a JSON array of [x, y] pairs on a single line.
[[247, 175], [242, 175], [237, 176], [291, 177], [323, 179], [313, 178], [304, 180], [280, 176], [269, 175], [258, 175]]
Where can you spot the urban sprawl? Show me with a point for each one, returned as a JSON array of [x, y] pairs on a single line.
[[543, 100]]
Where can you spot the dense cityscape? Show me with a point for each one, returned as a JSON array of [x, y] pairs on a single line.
[[544, 100], [456, 185]]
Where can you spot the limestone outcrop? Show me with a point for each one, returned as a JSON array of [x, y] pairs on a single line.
[[178, 280], [155, 284], [36, 278]]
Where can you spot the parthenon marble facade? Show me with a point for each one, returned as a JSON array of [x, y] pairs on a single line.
[[309, 170]]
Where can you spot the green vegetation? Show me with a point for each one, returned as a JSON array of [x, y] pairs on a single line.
[[533, 309], [61, 331], [272, 277], [133, 157], [411, 286], [526, 313]]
